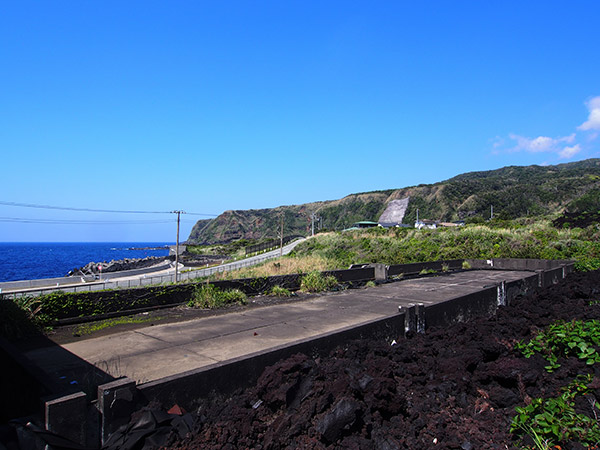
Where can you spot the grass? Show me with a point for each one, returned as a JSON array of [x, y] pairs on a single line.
[[538, 240], [211, 297], [85, 329], [317, 282], [278, 291], [281, 266]]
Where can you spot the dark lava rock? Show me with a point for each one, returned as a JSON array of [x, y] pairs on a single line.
[[341, 416]]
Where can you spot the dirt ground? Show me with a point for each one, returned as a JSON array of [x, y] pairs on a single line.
[[452, 388]]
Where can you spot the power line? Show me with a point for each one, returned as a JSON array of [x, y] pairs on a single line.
[[66, 208], [80, 222]]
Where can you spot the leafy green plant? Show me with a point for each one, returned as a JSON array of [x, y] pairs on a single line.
[[563, 339], [316, 282], [210, 296], [370, 283], [234, 296], [553, 420], [427, 271], [466, 265], [278, 291]]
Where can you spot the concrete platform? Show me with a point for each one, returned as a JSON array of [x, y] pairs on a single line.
[[152, 353]]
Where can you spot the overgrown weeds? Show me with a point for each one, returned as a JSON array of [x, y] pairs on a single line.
[[553, 420], [563, 339], [211, 297], [279, 291], [317, 282], [550, 421]]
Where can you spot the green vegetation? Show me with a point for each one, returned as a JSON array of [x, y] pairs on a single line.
[[231, 249], [45, 310], [563, 339], [370, 284], [90, 328], [552, 420], [317, 282], [278, 291], [210, 296], [496, 239]]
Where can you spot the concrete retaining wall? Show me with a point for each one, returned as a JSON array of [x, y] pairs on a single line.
[[118, 399], [416, 268], [186, 388]]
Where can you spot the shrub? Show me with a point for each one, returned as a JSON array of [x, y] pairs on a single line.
[[234, 296], [370, 284], [317, 282], [278, 291], [210, 296]]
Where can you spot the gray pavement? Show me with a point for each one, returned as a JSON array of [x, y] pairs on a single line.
[[154, 352]]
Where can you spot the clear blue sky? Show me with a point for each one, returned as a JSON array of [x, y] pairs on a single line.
[[211, 106]]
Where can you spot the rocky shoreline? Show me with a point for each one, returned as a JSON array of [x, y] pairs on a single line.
[[93, 268]]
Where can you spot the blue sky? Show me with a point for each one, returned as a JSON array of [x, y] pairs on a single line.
[[210, 106]]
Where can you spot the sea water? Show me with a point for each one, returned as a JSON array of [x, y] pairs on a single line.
[[33, 260]]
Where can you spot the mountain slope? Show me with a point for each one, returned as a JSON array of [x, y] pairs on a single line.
[[513, 192]]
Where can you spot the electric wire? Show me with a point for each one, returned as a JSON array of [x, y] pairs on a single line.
[[81, 221], [66, 208]]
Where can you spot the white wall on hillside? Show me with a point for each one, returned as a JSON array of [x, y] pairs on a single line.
[[394, 213]]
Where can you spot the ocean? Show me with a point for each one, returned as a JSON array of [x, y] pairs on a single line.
[[33, 260]]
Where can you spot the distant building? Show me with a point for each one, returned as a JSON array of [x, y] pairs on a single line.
[[394, 225], [426, 223], [364, 224]]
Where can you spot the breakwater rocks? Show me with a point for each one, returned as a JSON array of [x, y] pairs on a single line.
[[93, 268]]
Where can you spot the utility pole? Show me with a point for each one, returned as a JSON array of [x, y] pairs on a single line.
[[281, 237], [179, 213]]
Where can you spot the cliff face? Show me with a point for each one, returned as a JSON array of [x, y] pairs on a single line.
[[265, 223], [512, 191]]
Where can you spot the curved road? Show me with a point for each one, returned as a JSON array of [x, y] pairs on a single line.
[[158, 277]]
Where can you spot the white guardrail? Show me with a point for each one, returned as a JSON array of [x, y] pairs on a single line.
[[185, 274]]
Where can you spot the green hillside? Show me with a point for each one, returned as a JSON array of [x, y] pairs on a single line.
[[512, 191]]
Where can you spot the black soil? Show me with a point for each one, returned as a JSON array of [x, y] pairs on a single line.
[[452, 388]]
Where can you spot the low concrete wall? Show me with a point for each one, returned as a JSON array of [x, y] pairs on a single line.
[[225, 377], [518, 264], [186, 388], [416, 268]]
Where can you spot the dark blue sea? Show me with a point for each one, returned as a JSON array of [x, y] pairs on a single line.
[[29, 261]]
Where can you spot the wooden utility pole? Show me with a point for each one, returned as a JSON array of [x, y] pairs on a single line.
[[179, 213], [281, 237]]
